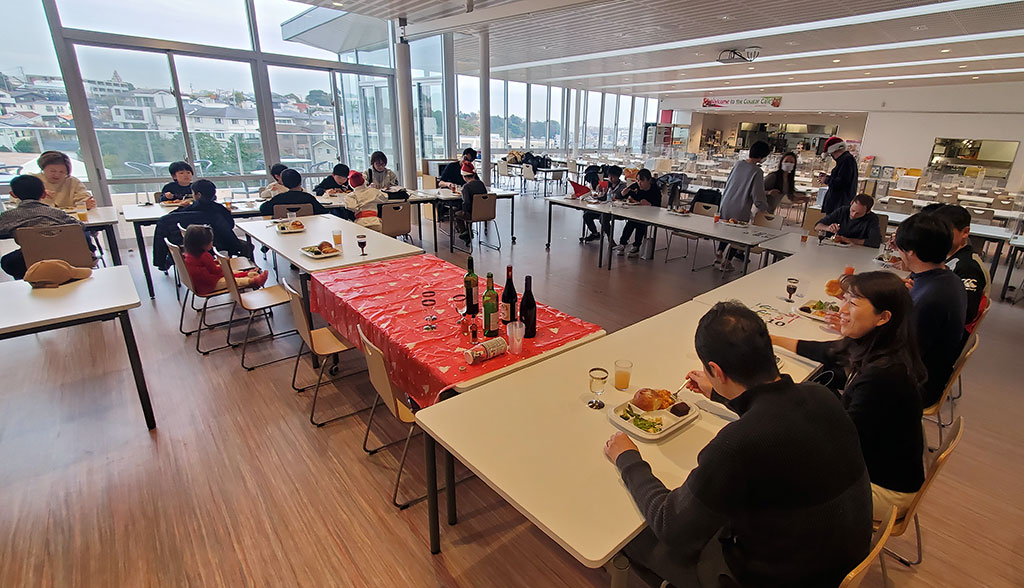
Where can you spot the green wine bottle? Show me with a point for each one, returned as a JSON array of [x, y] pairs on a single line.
[[490, 308]]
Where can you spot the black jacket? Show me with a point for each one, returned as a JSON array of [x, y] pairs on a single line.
[[292, 197], [842, 183], [224, 238]]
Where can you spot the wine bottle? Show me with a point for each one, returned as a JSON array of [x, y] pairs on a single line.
[[490, 308], [528, 310], [472, 283], [508, 298]]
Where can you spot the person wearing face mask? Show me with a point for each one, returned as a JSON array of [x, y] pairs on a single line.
[[879, 369], [842, 182], [781, 183]]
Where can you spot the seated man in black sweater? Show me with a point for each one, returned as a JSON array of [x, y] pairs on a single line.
[[940, 302], [645, 193], [854, 224], [293, 181], [962, 260], [781, 497]]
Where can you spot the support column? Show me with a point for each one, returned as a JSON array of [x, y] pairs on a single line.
[[576, 125], [449, 89], [403, 81], [485, 107]]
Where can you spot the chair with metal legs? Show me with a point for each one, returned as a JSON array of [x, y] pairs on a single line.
[[857, 575], [186, 280], [259, 301], [945, 449], [321, 343], [933, 413]]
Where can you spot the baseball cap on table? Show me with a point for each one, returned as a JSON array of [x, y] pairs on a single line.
[[50, 273], [833, 144], [356, 179]]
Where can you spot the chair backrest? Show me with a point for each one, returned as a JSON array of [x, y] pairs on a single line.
[[969, 347], [812, 218], [528, 172], [503, 168], [557, 175], [396, 218], [429, 182], [768, 221], [181, 229], [378, 372], [947, 198], [705, 209], [179, 265], [982, 216], [65, 242], [857, 575], [1002, 203], [883, 223], [282, 210], [484, 207], [229, 277], [900, 205], [956, 432], [299, 315]]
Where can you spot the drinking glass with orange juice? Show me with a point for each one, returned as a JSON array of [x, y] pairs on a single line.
[[623, 370]]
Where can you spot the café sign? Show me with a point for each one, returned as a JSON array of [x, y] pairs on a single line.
[[743, 102]]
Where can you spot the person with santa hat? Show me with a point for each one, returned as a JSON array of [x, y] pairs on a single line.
[[363, 201], [842, 182]]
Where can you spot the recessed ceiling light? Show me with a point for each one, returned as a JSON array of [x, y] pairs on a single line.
[[944, 51], [919, 28], [836, 60], [891, 83], [791, 78], [762, 89], [821, 86], [698, 54], [792, 43], [725, 17], [962, 67], [867, 73], [727, 83], [976, 77], [338, 4], [751, 67]]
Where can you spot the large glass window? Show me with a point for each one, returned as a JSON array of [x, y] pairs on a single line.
[[37, 114], [221, 116], [221, 23], [469, 111], [139, 130], [304, 118], [273, 16], [570, 118], [499, 139], [592, 125], [622, 124], [538, 116], [608, 129], [652, 110], [428, 97], [517, 115], [637, 134], [555, 119]]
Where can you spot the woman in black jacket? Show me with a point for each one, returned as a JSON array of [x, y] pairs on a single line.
[[781, 183], [878, 355]]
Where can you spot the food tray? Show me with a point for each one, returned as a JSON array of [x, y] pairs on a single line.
[[284, 229], [172, 203], [308, 252], [671, 422], [734, 225], [810, 314], [835, 243]]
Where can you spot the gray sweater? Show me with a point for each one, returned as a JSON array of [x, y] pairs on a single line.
[[743, 189]]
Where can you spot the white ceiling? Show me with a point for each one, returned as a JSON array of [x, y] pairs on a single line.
[[563, 47]]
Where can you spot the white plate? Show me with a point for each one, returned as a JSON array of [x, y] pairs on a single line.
[[734, 225], [320, 256], [671, 423], [809, 315], [836, 243], [284, 231]]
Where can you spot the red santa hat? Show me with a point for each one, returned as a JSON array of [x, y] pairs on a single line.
[[578, 190], [467, 168], [356, 179], [833, 144]]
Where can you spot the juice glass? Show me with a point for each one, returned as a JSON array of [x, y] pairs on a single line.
[[623, 370]]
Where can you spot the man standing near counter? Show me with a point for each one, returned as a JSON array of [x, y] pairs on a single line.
[[842, 182]]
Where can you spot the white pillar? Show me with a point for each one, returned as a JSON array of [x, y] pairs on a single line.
[[485, 107], [403, 81], [448, 89], [576, 125]]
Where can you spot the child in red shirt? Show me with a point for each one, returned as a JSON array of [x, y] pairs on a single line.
[[205, 271]]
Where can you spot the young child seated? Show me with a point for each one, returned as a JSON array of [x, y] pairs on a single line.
[[181, 187], [334, 184], [205, 271], [363, 201], [276, 187]]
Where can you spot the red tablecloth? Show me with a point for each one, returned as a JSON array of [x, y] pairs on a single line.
[[385, 298]]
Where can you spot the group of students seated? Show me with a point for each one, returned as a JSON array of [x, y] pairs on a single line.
[[787, 494]]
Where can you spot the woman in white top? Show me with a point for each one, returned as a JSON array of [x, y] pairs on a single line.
[[363, 201], [276, 187], [379, 176], [63, 190]]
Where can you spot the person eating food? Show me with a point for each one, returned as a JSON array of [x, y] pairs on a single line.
[[854, 224]]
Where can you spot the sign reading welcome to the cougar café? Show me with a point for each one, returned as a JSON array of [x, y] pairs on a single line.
[[743, 102]]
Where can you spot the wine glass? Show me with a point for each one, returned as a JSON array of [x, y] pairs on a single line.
[[598, 379], [791, 285], [458, 302], [821, 237], [361, 241]]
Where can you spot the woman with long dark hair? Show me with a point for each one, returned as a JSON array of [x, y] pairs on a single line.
[[781, 183], [878, 355]]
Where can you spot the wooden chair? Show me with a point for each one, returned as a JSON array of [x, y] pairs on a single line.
[[1002, 203], [947, 198], [186, 280], [321, 343], [883, 224], [857, 575], [813, 217], [931, 471], [66, 242], [981, 216], [259, 301], [933, 413], [428, 182], [903, 205], [699, 208], [282, 210], [395, 218]]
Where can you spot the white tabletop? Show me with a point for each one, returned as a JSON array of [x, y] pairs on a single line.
[[379, 247], [580, 203], [704, 226], [135, 213], [531, 437], [100, 216], [919, 203], [985, 231], [108, 290]]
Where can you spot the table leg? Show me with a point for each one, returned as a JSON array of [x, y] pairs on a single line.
[[115, 253], [449, 481], [451, 231], [1009, 272], [432, 518], [433, 205], [142, 256], [611, 239], [600, 247], [746, 259], [548, 244], [140, 378], [419, 220], [995, 260], [304, 284], [512, 203]]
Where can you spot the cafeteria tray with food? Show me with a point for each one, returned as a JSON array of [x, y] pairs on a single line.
[[324, 249], [294, 226], [652, 415]]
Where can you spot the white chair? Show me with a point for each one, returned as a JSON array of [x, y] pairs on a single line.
[[768, 221], [65, 242], [395, 218], [484, 211], [503, 171], [259, 301], [982, 216], [282, 210], [186, 280], [528, 175], [699, 208]]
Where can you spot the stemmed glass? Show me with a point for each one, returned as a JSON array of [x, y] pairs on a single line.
[[598, 379], [458, 302], [791, 285], [361, 241]]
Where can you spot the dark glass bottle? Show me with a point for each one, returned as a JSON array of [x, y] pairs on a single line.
[[528, 310], [508, 298], [472, 285]]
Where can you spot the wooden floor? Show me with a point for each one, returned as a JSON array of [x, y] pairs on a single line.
[[236, 488]]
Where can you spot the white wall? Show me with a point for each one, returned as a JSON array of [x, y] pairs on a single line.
[[903, 123]]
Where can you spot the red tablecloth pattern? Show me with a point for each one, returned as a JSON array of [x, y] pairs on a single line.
[[385, 298]]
